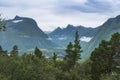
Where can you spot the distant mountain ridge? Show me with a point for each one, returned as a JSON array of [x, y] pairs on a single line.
[[70, 30], [25, 33], [63, 36]]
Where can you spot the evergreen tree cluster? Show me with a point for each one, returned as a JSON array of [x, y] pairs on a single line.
[[106, 58], [13, 52]]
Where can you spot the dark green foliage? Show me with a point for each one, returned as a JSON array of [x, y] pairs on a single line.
[[69, 50], [115, 43], [30, 67], [101, 60], [115, 51], [72, 53], [1, 50], [38, 53], [68, 59], [14, 52], [54, 57], [27, 67], [77, 47], [104, 58]]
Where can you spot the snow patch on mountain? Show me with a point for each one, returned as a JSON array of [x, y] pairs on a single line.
[[17, 21], [86, 39]]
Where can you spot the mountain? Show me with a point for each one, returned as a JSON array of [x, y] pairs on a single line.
[[25, 33], [63, 36], [111, 26], [70, 30]]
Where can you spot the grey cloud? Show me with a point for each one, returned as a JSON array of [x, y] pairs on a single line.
[[91, 6]]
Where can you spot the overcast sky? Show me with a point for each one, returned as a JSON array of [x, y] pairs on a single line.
[[50, 14]]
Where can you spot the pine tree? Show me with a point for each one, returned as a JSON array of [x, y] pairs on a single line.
[[54, 57], [38, 53], [115, 43], [68, 59], [72, 53], [14, 52], [101, 58], [105, 57], [1, 50], [77, 47], [115, 48], [69, 51]]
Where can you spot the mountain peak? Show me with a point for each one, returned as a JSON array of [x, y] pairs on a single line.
[[118, 17], [70, 26], [80, 26], [17, 17], [58, 28]]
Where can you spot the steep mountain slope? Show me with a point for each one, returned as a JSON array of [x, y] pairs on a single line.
[[25, 33], [111, 26]]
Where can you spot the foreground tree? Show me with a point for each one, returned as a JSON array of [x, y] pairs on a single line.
[[38, 53], [1, 50], [54, 57], [77, 48], [14, 52], [115, 50], [103, 58], [72, 53]]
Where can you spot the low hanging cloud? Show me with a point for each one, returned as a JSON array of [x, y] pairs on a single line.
[[50, 14]]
